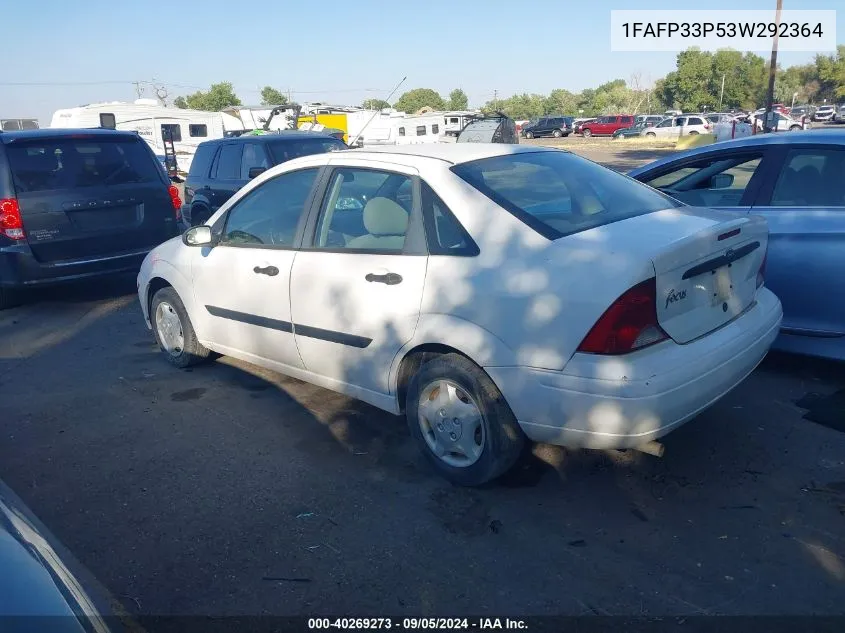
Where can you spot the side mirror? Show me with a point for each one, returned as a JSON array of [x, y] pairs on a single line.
[[198, 236], [721, 181], [256, 171]]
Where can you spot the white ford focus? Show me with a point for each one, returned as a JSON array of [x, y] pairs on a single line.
[[489, 292]]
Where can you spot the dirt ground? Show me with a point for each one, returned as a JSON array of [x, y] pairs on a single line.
[[230, 490]]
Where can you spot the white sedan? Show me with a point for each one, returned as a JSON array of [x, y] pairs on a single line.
[[489, 292]]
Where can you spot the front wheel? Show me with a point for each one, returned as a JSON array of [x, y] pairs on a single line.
[[693, 133], [794, 127], [651, 134], [557, 133], [587, 133], [529, 135], [461, 422], [173, 330]]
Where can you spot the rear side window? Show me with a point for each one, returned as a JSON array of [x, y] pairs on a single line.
[[558, 193], [229, 162], [65, 163], [444, 234], [811, 178], [283, 151], [694, 121]]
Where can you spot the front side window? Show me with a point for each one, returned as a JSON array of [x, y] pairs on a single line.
[[268, 215], [811, 178], [717, 181], [365, 209], [558, 193]]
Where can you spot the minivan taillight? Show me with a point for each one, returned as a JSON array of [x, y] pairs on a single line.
[[11, 223], [627, 325], [176, 200]]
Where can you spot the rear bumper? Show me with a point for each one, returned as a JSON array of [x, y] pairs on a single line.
[[622, 402], [20, 269]]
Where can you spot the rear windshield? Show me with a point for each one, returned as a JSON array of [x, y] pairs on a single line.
[[65, 163], [557, 193], [283, 151]]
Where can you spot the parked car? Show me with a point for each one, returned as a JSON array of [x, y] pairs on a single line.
[[824, 113], [42, 586], [839, 115], [497, 128], [794, 181], [634, 130], [675, 127], [607, 125], [428, 280], [800, 111], [649, 119], [222, 166], [77, 204], [783, 122], [556, 126], [577, 123]]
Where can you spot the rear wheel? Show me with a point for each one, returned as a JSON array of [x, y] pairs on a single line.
[[794, 127], [587, 133], [173, 330], [461, 422], [557, 133], [651, 134], [693, 133]]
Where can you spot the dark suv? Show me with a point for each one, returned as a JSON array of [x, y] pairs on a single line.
[[556, 126], [223, 166], [79, 203]]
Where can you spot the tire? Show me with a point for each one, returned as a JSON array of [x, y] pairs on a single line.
[[182, 353], [529, 135], [8, 298], [693, 133], [496, 436], [651, 134], [557, 133], [587, 133], [794, 127]]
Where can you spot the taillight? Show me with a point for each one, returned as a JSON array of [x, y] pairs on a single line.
[[11, 223], [627, 325], [761, 274], [176, 200]]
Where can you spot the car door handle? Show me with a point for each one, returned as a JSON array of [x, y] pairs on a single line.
[[391, 279], [271, 271]]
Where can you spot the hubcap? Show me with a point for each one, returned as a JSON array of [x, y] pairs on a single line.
[[451, 423], [169, 329]]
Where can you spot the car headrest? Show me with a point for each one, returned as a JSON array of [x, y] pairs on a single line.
[[385, 217]]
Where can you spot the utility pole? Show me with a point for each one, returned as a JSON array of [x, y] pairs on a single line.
[[770, 93], [495, 99], [722, 93], [139, 91]]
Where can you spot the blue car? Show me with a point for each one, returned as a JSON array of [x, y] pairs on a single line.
[[797, 182]]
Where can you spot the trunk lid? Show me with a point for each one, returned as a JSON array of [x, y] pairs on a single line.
[[90, 196]]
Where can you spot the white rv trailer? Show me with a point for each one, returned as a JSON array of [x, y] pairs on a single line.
[[455, 120], [390, 127], [149, 119]]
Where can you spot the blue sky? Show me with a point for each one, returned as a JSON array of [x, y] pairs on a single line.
[[337, 51]]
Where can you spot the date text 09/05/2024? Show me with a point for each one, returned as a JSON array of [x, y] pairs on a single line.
[[417, 624], [722, 29]]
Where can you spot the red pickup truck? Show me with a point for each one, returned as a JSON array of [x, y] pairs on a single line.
[[607, 125]]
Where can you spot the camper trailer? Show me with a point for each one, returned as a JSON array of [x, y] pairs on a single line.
[[187, 128], [397, 128], [456, 120]]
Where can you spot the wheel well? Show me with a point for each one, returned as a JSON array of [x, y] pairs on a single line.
[[156, 284], [413, 360]]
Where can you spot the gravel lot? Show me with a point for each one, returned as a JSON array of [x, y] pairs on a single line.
[[231, 490]]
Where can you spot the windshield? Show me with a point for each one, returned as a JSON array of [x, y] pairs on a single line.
[[285, 150], [557, 193]]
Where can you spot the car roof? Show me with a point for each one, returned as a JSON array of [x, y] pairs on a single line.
[[45, 133], [454, 153], [284, 135], [819, 136]]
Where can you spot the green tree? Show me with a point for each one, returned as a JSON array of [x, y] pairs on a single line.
[[561, 101], [831, 74], [524, 106], [688, 87], [418, 98], [458, 100], [375, 104], [219, 96], [271, 97]]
